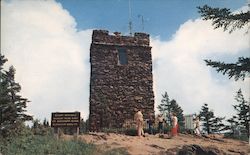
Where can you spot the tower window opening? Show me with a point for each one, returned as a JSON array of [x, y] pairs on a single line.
[[122, 54]]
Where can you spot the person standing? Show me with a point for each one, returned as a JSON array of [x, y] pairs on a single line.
[[150, 123], [139, 123], [197, 126], [174, 130], [160, 120]]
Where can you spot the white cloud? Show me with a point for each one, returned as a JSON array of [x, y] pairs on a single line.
[[244, 8], [180, 70], [51, 58]]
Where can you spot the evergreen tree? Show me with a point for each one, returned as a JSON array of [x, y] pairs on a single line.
[[168, 106], [243, 111], [164, 107], [39, 128], [45, 123], [206, 116], [36, 124], [233, 125], [12, 105], [165, 103], [211, 123], [217, 125], [229, 21]]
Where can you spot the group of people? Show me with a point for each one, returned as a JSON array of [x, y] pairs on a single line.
[[139, 123]]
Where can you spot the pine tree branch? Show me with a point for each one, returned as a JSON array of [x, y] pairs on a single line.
[[238, 70], [224, 18]]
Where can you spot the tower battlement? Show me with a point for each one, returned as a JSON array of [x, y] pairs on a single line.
[[103, 37]]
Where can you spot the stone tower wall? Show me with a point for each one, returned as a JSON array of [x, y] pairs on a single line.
[[117, 90]]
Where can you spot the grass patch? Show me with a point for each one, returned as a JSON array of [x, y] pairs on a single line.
[[41, 145], [47, 144]]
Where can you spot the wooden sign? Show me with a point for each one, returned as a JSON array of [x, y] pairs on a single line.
[[65, 119]]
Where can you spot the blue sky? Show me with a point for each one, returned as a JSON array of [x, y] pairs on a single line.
[[48, 43], [161, 17]]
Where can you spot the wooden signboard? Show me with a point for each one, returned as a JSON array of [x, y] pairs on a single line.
[[65, 119]]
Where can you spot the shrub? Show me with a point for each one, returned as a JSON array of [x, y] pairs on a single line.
[[242, 137], [131, 132]]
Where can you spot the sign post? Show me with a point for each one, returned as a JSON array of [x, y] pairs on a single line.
[[65, 119]]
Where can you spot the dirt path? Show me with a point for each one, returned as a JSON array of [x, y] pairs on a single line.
[[152, 144]]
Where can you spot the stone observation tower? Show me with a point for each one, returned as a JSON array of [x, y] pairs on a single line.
[[121, 79]]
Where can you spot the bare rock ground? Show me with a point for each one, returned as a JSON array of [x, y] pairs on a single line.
[[153, 145]]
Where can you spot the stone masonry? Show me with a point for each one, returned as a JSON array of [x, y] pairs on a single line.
[[121, 79]]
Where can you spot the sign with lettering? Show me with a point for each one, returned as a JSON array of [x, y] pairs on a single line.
[[65, 119]]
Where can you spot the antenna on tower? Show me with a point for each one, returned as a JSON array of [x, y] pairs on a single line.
[[130, 21], [142, 21]]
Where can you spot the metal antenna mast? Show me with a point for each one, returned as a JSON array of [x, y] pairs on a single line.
[[130, 21], [142, 21]]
